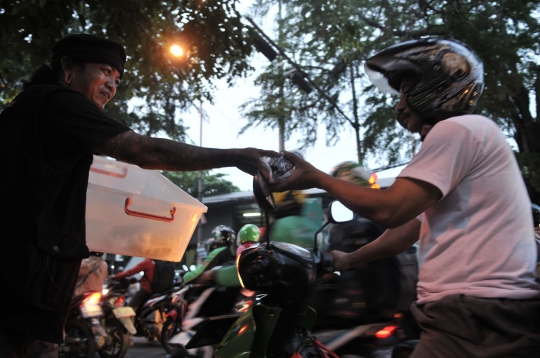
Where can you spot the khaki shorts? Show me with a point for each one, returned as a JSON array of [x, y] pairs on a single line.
[[464, 326]]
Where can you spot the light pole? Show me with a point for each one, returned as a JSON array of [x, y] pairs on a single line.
[[200, 196], [180, 55]]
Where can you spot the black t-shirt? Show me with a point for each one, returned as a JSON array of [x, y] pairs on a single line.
[[46, 136]]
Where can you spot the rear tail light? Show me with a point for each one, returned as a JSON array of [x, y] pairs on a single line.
[[92, 299], [385, 332], [120, 301]]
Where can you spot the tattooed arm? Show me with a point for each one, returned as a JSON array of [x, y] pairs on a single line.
[[165, 154]]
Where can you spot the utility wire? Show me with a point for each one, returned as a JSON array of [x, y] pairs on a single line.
[[299, 69]]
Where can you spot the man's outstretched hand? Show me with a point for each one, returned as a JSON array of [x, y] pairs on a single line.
[[249, 160]]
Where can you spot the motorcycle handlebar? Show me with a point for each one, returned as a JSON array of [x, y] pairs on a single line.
[[327, 262]]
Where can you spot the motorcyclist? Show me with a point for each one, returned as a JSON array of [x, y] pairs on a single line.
[[92, 274], [289, 225], [365, 293], [145, 291], [477, 293], [374, 289], [210, 299], [248, 236], [220, 252]]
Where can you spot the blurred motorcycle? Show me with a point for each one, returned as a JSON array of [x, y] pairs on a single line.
[[117, 322], [278, 322], [83, 327], [94, 325], [149, 317], [191, 305]]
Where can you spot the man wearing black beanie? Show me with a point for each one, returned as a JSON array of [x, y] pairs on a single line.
[[49, 133]]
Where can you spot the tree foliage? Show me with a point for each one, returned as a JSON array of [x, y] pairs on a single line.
[[214, 184], [331, 39], [211, 31]]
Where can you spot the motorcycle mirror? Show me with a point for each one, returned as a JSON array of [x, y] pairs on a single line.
[[339, 213]]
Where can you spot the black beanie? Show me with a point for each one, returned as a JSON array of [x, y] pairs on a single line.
[[89, 48]]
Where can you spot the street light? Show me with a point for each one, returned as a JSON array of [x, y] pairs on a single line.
[[176, 55], [176, 50]]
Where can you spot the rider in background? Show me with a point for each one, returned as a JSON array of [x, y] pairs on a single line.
[[289, 225], [379, 288], [92, 274], [145, 291], [209, 299], [220, 252], [248, 236]]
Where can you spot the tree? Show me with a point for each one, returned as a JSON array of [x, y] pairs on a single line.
[[214, 184], [218, 45], [323, 38], [331, 39]]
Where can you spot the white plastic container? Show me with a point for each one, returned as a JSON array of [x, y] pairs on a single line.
[[137, 212]]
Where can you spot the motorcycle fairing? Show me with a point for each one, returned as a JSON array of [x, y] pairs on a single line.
[[250, 334]]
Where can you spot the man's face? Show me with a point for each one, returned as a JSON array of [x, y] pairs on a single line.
[[97, 82], [409, 119]]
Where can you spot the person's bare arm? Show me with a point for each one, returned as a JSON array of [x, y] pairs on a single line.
[[164, 154], [392, 207], [390, 243]]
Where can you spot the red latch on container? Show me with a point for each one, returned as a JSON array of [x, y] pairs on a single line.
[[148, 216]]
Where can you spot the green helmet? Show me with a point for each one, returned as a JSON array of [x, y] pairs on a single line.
[[354, 173], [249, 233]]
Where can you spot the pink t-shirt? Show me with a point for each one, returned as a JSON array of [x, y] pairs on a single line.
[[478, 239]]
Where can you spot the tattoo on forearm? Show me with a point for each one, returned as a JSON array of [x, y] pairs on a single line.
[[157, 153]]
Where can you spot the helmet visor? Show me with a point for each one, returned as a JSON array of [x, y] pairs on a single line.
[[385, 72], [380, 81]]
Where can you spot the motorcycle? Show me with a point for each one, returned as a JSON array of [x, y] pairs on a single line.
[[117, 322], [353, 324], [150, 316], [94, 325], [83, 327], [174, 319], [189, 310], [284, 276]]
